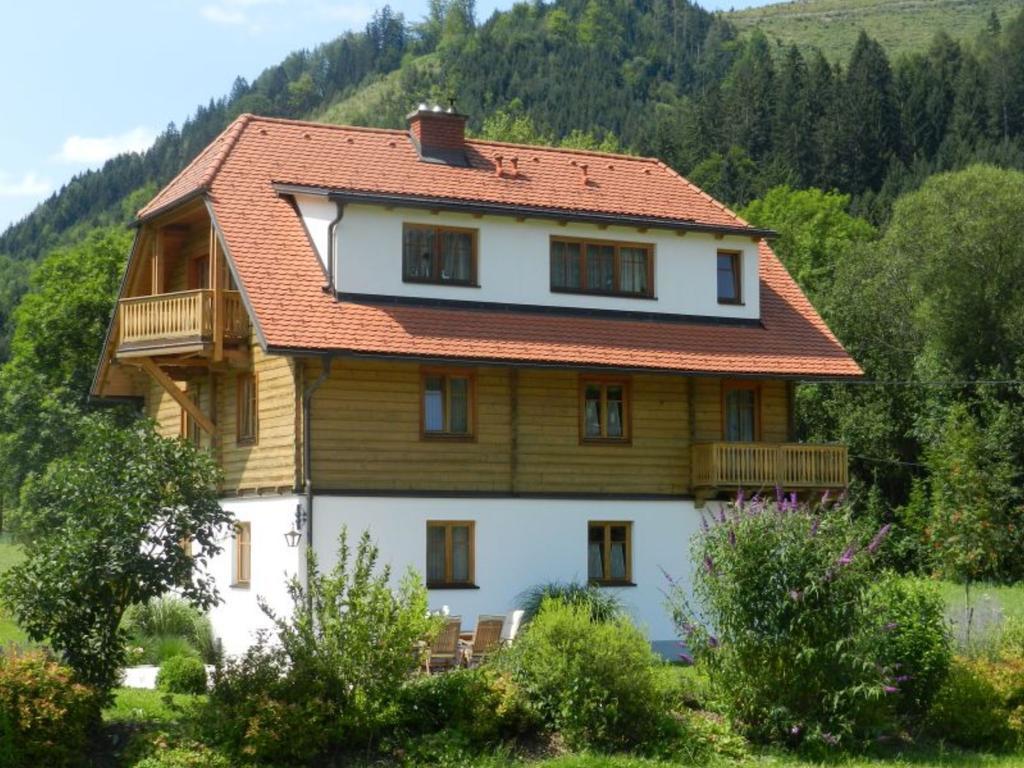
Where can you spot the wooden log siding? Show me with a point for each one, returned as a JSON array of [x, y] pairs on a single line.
[[271, 463]]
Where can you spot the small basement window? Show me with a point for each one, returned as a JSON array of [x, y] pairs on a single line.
[[442, 255], [243, 555]]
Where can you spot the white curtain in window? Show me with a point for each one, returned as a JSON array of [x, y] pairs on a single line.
[[618, 560], [615, 412], [592, 416], [633, 270], [460, 553], [456, 256], [595, 560]]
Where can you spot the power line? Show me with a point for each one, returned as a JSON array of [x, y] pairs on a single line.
[[933, 383]]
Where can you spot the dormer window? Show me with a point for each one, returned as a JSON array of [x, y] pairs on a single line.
[[729, 278], [442, 255], [602, 267]]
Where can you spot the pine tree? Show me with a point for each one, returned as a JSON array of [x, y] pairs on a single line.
[[871, 119]]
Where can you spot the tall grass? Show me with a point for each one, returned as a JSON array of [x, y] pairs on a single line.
[[604, 604], [163, 624]]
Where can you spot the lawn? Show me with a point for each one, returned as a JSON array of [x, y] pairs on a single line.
[[9, 631]]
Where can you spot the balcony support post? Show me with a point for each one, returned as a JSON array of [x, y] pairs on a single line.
[[165, 381], [217, 284]]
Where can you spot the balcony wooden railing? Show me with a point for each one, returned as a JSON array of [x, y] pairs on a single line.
[[179, 317], [790, 466]]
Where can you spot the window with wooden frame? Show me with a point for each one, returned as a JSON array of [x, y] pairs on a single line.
[[741, 411], [442, 255], [450, 553], [243, 555], [190, 429], [610, 552], [448, 404], [602, 267], [604, 410], [730, 277], [247, 409], [186, 545]]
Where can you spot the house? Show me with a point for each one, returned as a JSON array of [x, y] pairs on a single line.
[[512, 364]]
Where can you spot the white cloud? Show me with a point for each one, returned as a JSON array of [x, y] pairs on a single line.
[[29, 185], [350, 13], [218, 14], [82, 150]]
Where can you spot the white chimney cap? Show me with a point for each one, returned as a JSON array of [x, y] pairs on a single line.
[[423, 106], [437, 108]]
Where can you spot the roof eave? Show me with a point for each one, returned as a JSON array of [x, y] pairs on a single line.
[[501, 209]]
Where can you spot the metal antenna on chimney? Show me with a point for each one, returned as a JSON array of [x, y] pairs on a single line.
[[451, 104]]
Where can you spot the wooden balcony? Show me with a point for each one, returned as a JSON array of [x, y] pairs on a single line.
[[754, 466], [178, 323]]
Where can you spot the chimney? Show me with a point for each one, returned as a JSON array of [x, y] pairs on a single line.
[[439, 135]]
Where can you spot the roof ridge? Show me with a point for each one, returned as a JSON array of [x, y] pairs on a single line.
[[565, 150], [702, 193], [237, 125], [333, 126], [231, 134]]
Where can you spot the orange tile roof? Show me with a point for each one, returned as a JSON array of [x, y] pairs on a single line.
[[282, 277]]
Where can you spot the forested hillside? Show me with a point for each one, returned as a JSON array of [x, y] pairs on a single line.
[[843, 159]]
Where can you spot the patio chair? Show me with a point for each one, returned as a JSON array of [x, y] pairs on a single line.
[[444, 653], [486, 638], [510, 628]]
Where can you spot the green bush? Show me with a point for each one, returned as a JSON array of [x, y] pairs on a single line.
[[980, 705], [182, 674], [331, 679], [593, 682], [603, 604], [911, 640], [797, 658], [46, 718], [483, 705], [196, 756]]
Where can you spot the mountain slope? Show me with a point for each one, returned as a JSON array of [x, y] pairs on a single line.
[[901, 26]]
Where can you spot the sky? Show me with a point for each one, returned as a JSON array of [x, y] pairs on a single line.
[[85, 80]]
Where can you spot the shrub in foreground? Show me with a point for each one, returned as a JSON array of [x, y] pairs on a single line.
[[331, 679], [981, 704], [182, 674], [800, 653], [593, 682], [46, 718], [165, 625]]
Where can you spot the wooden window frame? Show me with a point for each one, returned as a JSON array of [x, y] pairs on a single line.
[[627, 410], [449, 582], [730, 385], [241, 405], [471, 417], [190, 430], [236, 566], [607, 525], [583, 242], [737, 277], [438, 229]]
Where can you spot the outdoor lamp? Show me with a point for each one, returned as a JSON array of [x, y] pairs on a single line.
[[293, 537]]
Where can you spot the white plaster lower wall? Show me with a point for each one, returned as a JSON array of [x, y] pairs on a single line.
[[520, 543], [237, 618]]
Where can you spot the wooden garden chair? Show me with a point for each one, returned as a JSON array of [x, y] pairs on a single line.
[[444, 653], [486, 638]]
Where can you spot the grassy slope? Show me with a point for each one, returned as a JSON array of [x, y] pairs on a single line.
[[9, 632], [901, 26], [375, 102]]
